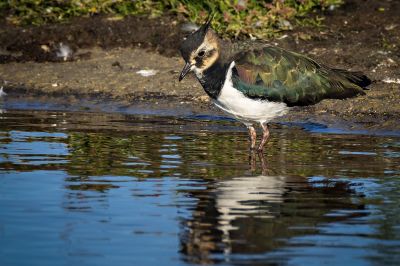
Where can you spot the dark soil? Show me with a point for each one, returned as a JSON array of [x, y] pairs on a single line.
[[107, 53], [25, 43]]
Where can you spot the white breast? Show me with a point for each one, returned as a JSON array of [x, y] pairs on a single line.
[[245, 109]]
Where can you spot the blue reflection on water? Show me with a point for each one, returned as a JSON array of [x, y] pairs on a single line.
[[177, 198]]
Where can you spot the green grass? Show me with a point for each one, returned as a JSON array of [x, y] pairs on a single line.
[[233, 18]]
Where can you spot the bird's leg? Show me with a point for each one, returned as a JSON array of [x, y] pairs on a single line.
[[252, 136], [265, 136], [252, 161], [264, 167]]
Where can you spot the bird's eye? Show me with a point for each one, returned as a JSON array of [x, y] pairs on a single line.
[[201, 53]]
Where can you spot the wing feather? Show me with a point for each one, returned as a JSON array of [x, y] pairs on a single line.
[[276, 74]]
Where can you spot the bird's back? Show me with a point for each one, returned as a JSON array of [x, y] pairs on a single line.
[[274, 74]]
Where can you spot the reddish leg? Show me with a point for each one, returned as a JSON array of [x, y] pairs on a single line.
[[253, 137], [252, 161], [264, 137], [264, 167]]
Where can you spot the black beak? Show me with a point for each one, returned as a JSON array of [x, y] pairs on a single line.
[[185, 70]]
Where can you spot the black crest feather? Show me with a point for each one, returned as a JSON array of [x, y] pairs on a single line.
[[195, 39]]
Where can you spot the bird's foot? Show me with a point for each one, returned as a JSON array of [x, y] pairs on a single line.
[[253, 149], [253, 162], [260, 149]]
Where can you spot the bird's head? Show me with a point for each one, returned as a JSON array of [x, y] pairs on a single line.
[[200, 50]]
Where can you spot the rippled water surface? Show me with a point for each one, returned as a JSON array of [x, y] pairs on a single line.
[[112, 189]]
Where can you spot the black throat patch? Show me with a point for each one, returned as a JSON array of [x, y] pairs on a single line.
[[213, 79]]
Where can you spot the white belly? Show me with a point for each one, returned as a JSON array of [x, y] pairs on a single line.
[[245, 109]]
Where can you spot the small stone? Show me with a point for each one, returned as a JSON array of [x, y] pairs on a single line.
[[203, 98], [390, 27], [45, 48]]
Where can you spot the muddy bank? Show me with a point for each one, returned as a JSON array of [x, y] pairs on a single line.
[[107, 55]]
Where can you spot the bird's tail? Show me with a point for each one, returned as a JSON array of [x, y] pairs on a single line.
[[357, 78]]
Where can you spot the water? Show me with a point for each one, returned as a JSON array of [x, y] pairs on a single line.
[[112, 189]]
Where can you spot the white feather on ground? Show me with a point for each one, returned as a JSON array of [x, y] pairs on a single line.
[[2, 93], [147, 72], [391, 80], [64, 51]]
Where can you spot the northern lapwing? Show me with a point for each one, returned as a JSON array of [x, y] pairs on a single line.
[[256, 85]]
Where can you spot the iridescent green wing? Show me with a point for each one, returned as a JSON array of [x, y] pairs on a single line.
[[278, 75]]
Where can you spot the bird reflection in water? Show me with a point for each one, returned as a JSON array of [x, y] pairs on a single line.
[[259, 213]]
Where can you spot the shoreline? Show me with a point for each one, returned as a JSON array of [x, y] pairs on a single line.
[[302, 117]]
